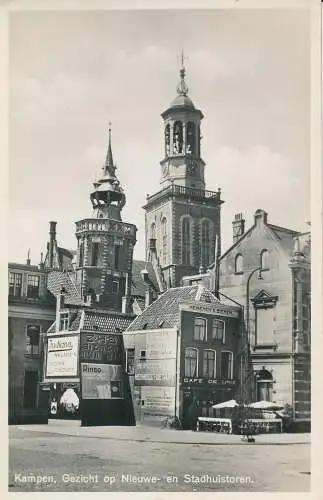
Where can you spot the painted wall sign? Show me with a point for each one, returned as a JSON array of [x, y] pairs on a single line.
[[161, 344], [212, 381], [101, 381], [158, 401], [62, 356], [217, 310], [101, 348], [156, 372]]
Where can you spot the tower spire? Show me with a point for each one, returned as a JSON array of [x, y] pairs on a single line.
[[182, 88], [109, 166]]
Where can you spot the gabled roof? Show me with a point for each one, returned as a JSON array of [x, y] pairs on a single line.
[[58, 280], [164, 312], [105, 321]]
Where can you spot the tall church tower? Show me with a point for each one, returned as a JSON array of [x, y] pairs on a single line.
[[183, 218], [105, 244]]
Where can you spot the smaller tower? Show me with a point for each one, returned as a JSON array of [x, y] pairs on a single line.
[[106, 243]]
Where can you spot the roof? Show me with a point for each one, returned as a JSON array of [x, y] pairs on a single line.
[[67, 253], [285, 236], [164, 312], [182, 100], [138, 285], [58, 280], [104, 321], [25, 267]]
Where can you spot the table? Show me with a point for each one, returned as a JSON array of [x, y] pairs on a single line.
[[214, 424], [262, 425]]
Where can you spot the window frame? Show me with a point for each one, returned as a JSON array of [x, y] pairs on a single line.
[[238, 257], [205, 329], [263, 252], [195, 349], [34, 348], [205, 242], [33, 287], [230, 377], [213, 329], [129, 372], [13, 284], [164, 240], [214, 364], [186, 245]]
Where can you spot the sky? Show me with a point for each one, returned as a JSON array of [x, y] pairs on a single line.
[[71, 73]]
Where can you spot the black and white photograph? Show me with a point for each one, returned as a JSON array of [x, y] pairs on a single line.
[[160, 219]]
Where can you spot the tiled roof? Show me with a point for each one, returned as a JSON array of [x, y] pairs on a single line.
[[164, 312], [139, 287], [104, 321], [58, 280]]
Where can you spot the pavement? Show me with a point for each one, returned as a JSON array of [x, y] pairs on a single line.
[[64, 457], [145, 433]]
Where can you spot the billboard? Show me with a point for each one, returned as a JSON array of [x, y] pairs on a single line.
[[158, 401], [101, 381], [101, 348], [62, 356]]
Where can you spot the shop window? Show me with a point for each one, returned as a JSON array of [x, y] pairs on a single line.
[[30, 389], [226, 365], [33, 340], [190, 362], [15, 281], [33, 286], [209, 368], [238, 264], [264, 260], [130, 361], [186, 241], [200, 329], [218, 330]]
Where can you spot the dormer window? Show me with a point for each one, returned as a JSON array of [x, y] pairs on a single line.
[[238, 266], [64, 321], [264, 260]]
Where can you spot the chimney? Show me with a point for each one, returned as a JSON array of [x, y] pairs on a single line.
[[148, 297], [52, 239], [237, 227], [260, 216]]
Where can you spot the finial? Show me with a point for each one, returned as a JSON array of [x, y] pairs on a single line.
[[182, 88], [28, 257], [109, 165]]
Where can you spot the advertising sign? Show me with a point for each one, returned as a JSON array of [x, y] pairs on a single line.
[[156, 372], [161, 344], [158, 401], [101, 348], [211, 381], [62, 356], [101, 381], [218, 310]]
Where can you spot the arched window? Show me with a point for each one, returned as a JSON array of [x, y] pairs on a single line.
[[167, 140], [186, 241], [238, 267], [264, 259], [205, 243], [190, 362], [178, 138], [164, 240], [190, 138], [153, 231], [264, 385]]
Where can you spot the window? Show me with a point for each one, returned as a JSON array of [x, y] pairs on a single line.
[[178, 138], [81, 254], [264, 385], [200, 329], [33, 286], [164, 240], [190, 362], [130, 361], [95, 254], [264, 326], [64, 320], [116, 256], [190, 138], [226, 365], [33, 340], [15, 280], [205, 243], [167, 140], [30, 389], [209, 370], [238, 268], [115, 287], [153, 231], [186, 241], [264, 260], [143, 354], [218, 330]]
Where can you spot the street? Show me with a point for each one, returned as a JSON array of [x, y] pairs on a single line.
[[58, 458]]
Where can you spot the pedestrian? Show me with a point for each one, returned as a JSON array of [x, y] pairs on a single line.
[[193, 412]]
